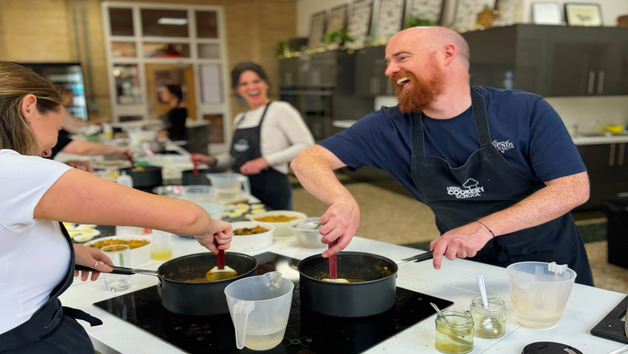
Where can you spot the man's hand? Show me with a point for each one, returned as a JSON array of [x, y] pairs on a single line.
[[461, 242], [340, 222]]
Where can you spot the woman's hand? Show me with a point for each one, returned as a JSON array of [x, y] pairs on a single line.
[[123, 152], [200, 159], [220, 239], [254, 167], [93, 258]]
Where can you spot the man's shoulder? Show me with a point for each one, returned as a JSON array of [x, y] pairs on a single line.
[[500, 94]]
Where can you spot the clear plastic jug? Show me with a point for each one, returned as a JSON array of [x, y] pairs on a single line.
[[229, 185], [259, 308], [539, 292]]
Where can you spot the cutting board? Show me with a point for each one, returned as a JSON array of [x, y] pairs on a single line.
[[612, 326]]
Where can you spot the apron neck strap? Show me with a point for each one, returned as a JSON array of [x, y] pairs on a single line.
[[480, 119]]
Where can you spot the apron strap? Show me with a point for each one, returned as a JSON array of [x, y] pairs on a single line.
[[81, 315], [478, 107]]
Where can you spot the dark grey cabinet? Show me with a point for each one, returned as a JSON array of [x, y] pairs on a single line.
[[370, 66], [607, 166], [321, 87], [551, 60]]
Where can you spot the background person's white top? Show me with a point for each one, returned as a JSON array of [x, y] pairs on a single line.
[[284, 134], [34, 257]]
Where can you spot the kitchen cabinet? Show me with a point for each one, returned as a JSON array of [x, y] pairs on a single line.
[[370, 80], [551, 60], [321, 87], [607, 165]]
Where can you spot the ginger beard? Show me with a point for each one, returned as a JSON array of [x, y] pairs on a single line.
[[422, 91]]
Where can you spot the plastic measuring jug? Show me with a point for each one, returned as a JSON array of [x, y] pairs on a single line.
[[228, 185], [539, 292], [259, 308]]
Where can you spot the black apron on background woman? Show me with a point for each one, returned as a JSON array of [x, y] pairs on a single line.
[[485, 184], [52, 328], [270, 186]]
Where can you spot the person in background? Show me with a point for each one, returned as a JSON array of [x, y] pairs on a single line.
[[497, 167], [266, 138], [86, 148], [174, 120], [74, 125], [36, 253]]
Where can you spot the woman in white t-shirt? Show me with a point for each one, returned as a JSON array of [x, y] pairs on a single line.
[[37, 257], [266, 138]]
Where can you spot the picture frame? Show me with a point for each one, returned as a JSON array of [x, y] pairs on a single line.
[[360, 23], [465, 17], [546, 13], [389, 19], [317, 30], [510, 12], [583, 14], [428, 10], [337, 18]]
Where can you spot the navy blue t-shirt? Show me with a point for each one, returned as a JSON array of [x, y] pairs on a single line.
[[523, 126]]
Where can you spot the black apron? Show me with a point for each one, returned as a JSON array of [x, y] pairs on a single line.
[[270, 186], [485, 184], [52, 328]]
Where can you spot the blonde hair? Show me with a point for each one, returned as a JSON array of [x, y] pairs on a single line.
[[16, 82]]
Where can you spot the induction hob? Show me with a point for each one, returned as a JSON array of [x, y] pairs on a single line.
[[307, 331]]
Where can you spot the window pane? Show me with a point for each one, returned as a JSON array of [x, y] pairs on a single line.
[[166, 50], [164, 23], [121, 21], [127, 84], [206, 24], [209, 51], [211, 84], [123, 50]]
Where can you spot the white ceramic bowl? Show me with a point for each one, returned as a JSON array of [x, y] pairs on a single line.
[[281, 228], [251, 242], [307, 233], [139, 255]]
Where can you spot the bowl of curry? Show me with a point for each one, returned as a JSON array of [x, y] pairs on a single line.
[[140, 246], [280, 219], [251, 236]]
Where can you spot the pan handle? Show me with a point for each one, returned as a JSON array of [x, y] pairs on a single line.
[[417, 258], [121, 270]]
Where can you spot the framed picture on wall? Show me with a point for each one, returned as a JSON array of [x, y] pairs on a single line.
[[317, 30], [424, 12], [466, 14], [580, 14], [389, 19], [360, 23], [546, 13], [337, 18], [510, 12]]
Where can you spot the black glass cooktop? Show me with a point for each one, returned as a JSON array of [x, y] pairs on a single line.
[[307, 331]]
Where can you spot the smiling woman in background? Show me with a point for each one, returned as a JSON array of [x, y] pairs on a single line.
[[36, 253], [266, 138]]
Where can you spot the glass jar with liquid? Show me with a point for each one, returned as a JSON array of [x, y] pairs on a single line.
[[454, 332], [490, 322]]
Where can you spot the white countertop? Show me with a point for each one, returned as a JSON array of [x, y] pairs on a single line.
[[455, 281], [605, 139]]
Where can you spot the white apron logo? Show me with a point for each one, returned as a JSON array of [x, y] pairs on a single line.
[[503, 146], [241, 146], [472, 190]]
